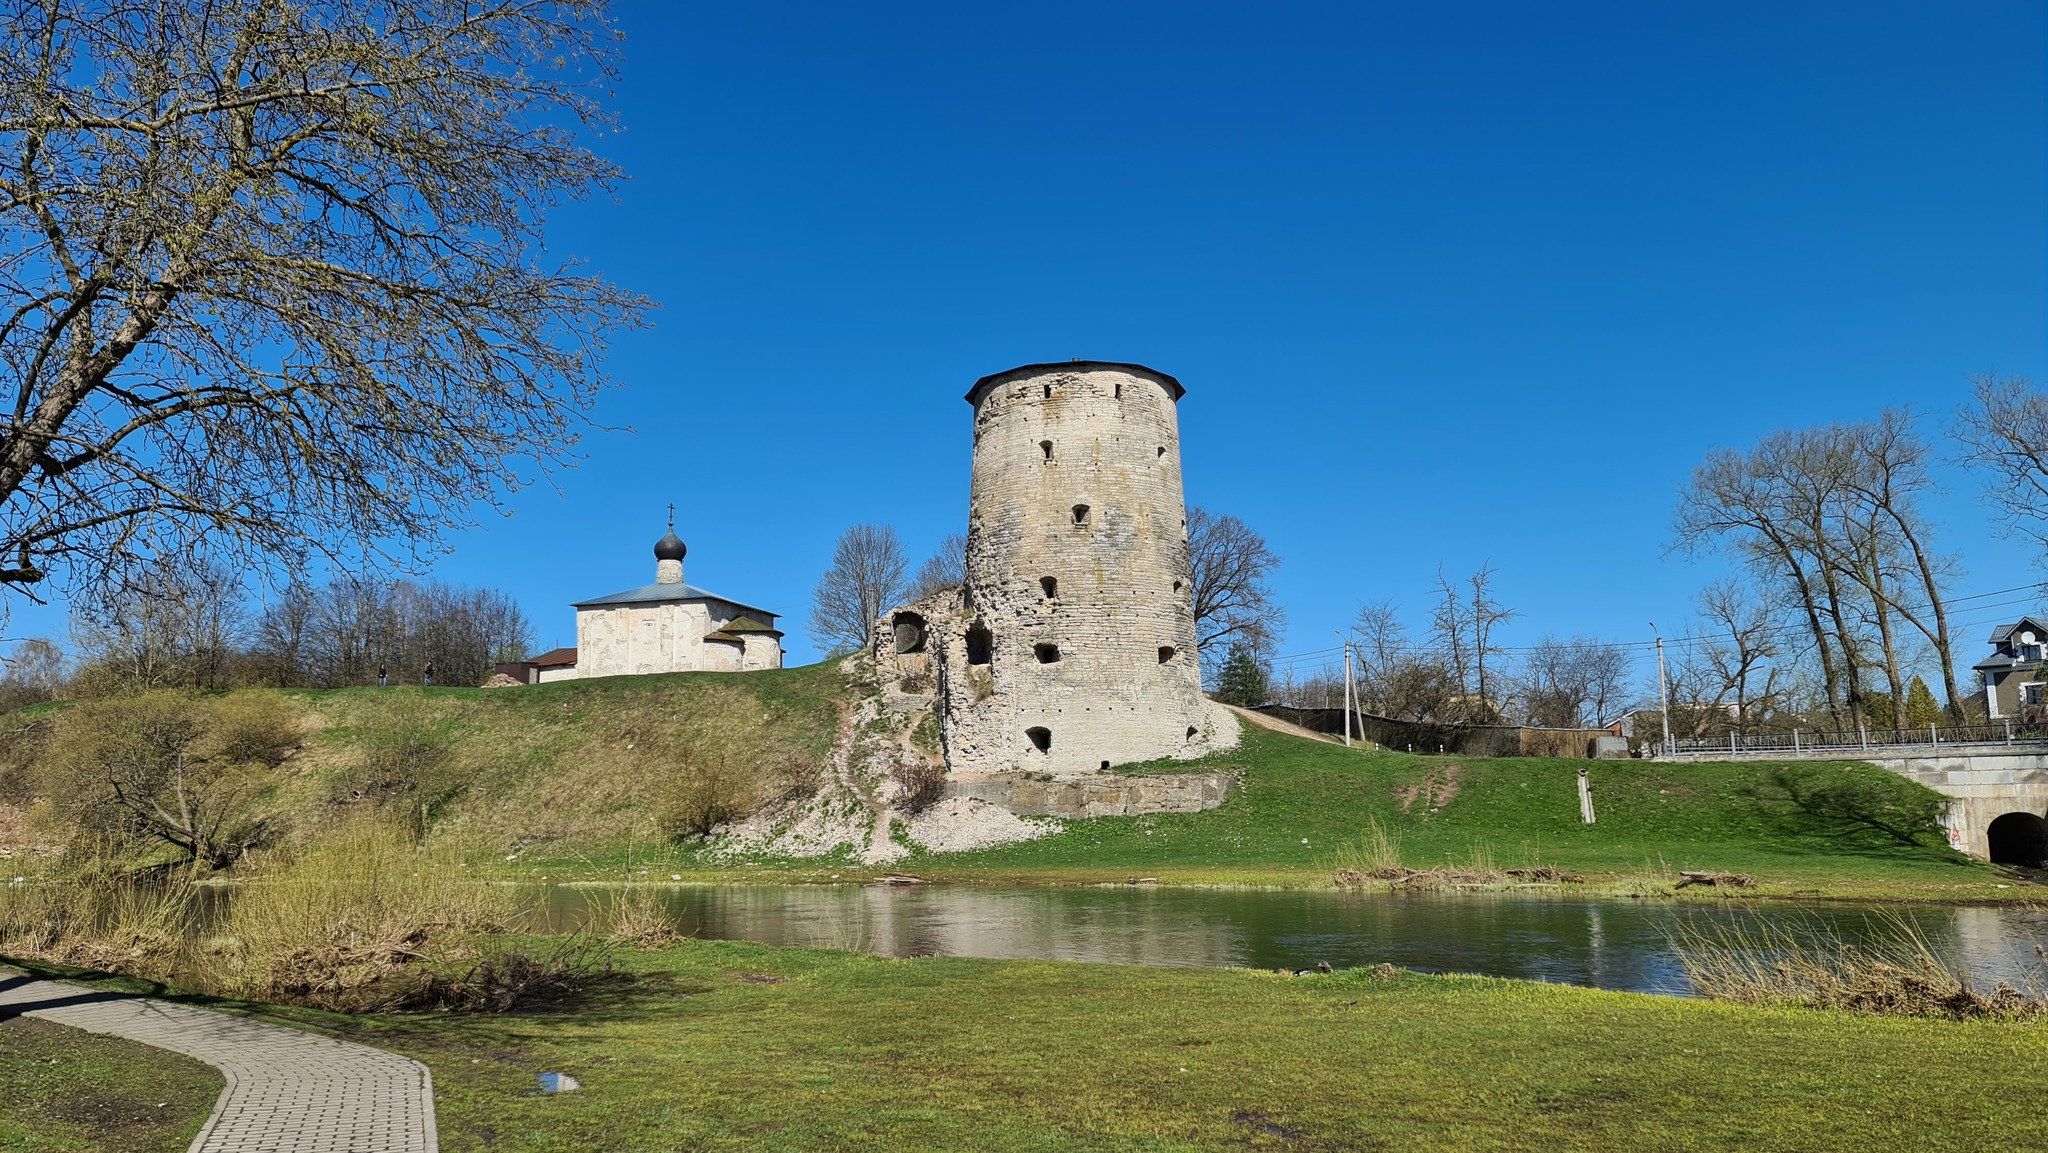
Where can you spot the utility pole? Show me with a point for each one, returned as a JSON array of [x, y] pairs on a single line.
[[1347, 689], [1663, 691]]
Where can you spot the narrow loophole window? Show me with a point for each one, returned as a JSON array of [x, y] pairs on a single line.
[[1191, 732], [1119, 396], [1041, 738], [1048, 392], [1046, 654], [979, 643], [1080, 514], [1162, 450], [1165, 653], [1045, 446], [1176, 586], [1051, 585]]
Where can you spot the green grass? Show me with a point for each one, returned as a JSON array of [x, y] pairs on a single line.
[[1845, 828], [67, 1091], [720, 1045]]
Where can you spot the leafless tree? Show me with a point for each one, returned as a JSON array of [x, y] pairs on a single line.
[[343, 633], [1461, 627], [867, 576], [2005, 432], [271, 275], [1382, 646], [944, 569], [1828, 518], [169, 627], [34, 673], [1569, 683], [1770, 506], [1229, 564]]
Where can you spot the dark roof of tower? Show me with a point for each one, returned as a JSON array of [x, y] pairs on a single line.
[[670, 547], [1173, 387]]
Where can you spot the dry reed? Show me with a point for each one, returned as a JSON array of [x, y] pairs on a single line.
[[1896, 972]]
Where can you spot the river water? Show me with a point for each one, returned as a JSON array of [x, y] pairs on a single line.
[[1607, 944]]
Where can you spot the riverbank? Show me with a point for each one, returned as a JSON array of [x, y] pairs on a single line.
[[716, 1045], [599, 781]]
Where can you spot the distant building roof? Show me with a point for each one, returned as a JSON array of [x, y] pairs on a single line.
[[2003, 633], [554, 658], [1173, 387], [655, 594], [735, 631]]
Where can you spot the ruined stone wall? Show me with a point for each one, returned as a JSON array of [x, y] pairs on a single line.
[[1072, 646]]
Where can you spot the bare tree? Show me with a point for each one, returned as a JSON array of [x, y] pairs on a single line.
[[1229, 564], [1381, 643], [270, 274], [1770, 506], [867, 576], [1569, 683], [944, 569], [2005, 432], [34, 673], [344, 633], [1461, 626], [165, 628], [1829, 518]]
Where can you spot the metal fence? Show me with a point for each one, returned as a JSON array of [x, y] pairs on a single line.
[[1822, 740]]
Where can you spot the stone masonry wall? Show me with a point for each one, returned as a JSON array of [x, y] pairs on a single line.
[[1072, 646]]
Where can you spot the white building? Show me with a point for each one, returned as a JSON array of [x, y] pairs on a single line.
[[665, 627]]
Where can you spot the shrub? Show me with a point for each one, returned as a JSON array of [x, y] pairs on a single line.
[[721, 763], [920, 781], [174, 767]]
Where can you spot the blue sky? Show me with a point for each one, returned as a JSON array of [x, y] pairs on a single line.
[[1447, 283]]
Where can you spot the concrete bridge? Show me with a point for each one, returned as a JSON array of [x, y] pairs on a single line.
[[1998, 791]]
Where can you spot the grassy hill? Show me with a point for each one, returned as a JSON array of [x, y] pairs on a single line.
[[588, 778]]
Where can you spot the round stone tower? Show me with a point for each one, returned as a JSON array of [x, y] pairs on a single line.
[[1075, 645]]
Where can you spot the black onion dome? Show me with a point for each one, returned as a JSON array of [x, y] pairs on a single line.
[[669, 547]]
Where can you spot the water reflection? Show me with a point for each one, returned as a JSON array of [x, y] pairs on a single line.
[[1625, 945]]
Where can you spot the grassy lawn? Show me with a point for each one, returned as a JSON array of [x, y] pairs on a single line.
[[67, 1091], [718, 1045]]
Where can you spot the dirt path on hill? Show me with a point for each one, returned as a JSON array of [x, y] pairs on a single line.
[[1280, 726]]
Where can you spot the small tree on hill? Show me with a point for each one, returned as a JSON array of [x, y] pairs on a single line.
[[867, 576], [1242, 680]]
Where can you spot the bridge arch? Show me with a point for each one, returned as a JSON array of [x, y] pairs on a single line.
[[2018, 839]]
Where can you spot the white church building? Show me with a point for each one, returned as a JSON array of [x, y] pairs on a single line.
[[665, 627]]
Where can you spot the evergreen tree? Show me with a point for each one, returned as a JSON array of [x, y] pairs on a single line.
[[1242, 680], [1921, 710]]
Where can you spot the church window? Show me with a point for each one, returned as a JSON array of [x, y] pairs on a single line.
[[1041, 738]]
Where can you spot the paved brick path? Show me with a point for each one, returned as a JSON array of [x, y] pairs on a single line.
[[287, 1091]]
